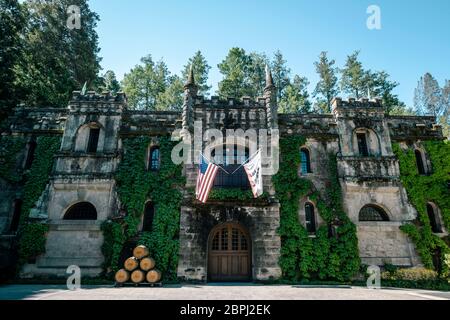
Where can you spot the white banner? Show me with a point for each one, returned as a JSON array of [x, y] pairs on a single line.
[[254, 173]]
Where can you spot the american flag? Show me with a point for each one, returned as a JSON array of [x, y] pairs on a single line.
[[206, 174]]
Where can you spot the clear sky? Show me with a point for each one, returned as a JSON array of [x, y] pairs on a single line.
[[414, 36]]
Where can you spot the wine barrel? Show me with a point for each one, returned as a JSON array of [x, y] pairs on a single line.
[[131, 264], [153, 276], [147, 264], [140, 252], [122, 276], [137, 276]]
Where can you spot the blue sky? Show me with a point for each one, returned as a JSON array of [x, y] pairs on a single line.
[[414, 37]]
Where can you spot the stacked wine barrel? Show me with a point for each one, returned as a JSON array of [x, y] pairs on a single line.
[[138, 269]]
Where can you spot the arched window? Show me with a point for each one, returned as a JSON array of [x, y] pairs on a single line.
[[373, 213], [14, 226], [154, 159], [231, 159], [30, 154], [305, 161], [81, 211], [433, 215], [149, 214], [362, 144], [94, 134], [310, 218], [419, 162]]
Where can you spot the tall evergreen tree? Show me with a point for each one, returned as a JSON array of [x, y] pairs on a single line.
[[172, 98], [57, 59], [428, 96], [281, 73], [108, 82], [12, 22], [380, 86], [201, 71], [145, 82], [353, 79], [295, 97], [444, 120], [235, 69], [327, 87], [257, 73]]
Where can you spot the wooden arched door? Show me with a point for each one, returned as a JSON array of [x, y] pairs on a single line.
[[229, 256]]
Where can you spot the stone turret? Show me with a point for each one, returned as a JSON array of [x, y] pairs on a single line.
[[270, 96], [190, 93]]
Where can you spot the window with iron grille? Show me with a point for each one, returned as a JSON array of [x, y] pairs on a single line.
[[94, 134], [305, 161], [372, 213], [155, 162], [81, 211]]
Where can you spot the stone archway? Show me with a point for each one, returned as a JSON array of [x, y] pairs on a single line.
[[229, 253]]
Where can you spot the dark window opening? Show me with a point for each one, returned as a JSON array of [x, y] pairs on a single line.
[[154, 158], [419, 162], [14, 226], [94, 134], [310, 218], [305, 161], [149, 214], [433, 216], [81, 211], [373, 213], [231, 162], [30, 154], [362, 144]]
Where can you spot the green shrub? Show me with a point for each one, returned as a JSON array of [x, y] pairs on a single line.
[[411, 274]]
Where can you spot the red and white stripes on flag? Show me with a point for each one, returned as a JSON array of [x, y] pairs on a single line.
[[206, 174]]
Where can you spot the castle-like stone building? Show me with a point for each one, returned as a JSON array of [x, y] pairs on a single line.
[[219, 240]]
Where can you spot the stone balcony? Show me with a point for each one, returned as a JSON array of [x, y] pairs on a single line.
[[368, 168]]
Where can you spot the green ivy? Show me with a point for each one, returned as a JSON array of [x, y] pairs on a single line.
[[32, 235], [324, 256], [135, 185], [422, 189], [232, 194], [10, 146]]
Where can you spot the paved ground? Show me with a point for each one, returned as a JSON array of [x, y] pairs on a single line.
[[214, 292]]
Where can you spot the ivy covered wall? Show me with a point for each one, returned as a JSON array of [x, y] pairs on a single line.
[[328, 255], [423, 189], [31, 235], [135, 186]]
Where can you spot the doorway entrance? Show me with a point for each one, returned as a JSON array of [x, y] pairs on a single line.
[[229, 253]]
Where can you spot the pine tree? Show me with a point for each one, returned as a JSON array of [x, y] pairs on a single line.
[[201, 71], [235, 69], [281, 73], [257, 73], [295, 97], [354, 77], [327, 88], [172, 98], [444, 120], [145, 83], [428, 96], [108, 82]]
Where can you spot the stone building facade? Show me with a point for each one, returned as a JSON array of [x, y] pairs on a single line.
[[93, 126]]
